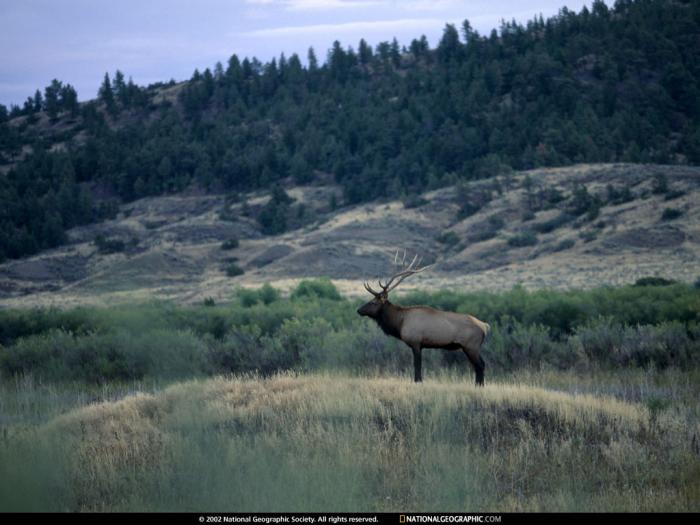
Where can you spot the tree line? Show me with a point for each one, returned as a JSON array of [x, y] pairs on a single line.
[[599, 85]]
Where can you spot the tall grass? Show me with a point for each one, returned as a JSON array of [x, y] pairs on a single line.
[[299, 404], [332, 442]]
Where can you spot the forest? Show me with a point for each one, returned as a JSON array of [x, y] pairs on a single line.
[[605, 84]]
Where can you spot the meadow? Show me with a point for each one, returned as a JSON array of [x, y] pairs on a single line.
[[295, 403]]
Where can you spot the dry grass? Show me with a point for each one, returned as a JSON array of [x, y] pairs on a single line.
[[332, 442], [182, 260]]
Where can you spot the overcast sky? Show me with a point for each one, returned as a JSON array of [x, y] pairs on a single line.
[[76, 41]]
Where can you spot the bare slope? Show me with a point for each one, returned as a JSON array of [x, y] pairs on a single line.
[[173, 244]]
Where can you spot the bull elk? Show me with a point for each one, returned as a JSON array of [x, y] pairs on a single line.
[[424, 327]]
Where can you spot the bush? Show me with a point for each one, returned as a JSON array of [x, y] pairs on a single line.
[[107, 246], [526, 238], [588, 236], [607, 343], [414, 201], [670, 214], [265, 294], [233, 270], [471, 199], [565, 245], [514, 345], [448, 238], [58, 355], [552, 224], [583, 202], [674, 194], [645, 325], [621, 196], [229, 244], [321, 288], [659, 185], [653, 281]]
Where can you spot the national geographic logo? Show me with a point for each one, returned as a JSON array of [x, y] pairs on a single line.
[[460, 518]]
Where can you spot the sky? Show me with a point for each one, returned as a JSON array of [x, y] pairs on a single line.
[[77, 41]]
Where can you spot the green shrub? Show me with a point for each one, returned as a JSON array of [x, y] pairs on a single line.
[[526, 238], [671, 214], [266, 294], [414, 201], [513, 345], [660, 184], [565, 245], [620, 196], [107, 246], [449, 238], [582, 202], [638, 326], [229, 244], [653, 281], [233, 270], [58, 355], [552, 224], [588, 236], [674, 194], [607, 343], [321, 288]]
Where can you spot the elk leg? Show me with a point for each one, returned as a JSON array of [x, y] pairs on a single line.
[[417, 364], [478, 363]]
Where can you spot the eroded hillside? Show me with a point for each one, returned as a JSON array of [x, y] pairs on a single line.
[[538, 228]]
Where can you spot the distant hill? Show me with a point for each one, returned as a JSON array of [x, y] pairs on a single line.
[[583, 226], [605, 84]]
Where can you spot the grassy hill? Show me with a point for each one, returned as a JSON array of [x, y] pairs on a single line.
[[332, 442], [537, 228]]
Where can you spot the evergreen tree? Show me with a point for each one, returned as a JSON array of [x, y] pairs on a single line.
[[106, 94], [38, 101], [364, 52], [69, 99], [450, 46], [119, 88], [51, 99]]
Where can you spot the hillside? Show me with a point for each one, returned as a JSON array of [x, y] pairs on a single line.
[[532, 228], [605, 84], [253, 444]]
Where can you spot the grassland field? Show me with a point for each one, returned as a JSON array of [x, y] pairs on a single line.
[[269, 403]]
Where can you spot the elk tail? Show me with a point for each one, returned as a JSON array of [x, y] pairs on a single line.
[[486, 328]]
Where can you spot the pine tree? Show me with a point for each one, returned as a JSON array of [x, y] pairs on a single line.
[[51, 100], [449, 47], [119, 88], [106, 94], [69, 99], [313, 61], [38, 101], [364, 52]]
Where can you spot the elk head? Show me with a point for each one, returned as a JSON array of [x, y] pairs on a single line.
[[374, 307]]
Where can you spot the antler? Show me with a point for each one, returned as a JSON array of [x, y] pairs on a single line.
[[399, 276]]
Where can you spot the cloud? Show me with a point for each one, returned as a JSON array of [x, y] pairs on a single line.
[[425, 5], [314, 5], [348, 27]]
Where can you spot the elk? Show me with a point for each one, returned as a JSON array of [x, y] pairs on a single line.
[[424, 327]]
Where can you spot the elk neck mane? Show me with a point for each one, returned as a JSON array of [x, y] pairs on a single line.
[[390, 319]]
